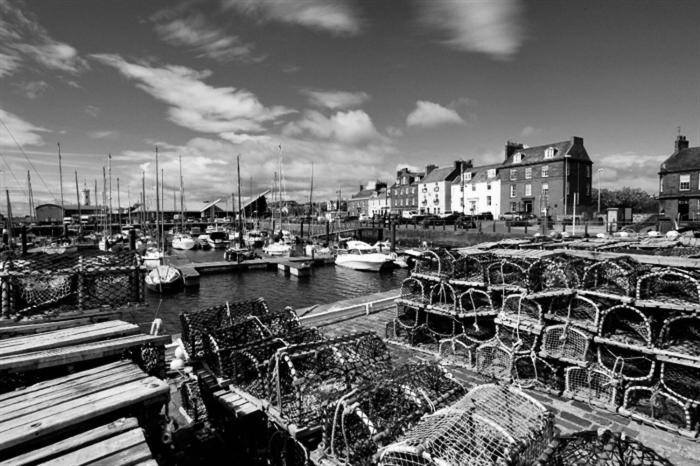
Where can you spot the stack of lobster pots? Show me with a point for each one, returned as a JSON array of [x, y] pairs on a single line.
[[614, 333]]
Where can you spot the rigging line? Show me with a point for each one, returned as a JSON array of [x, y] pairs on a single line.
[[12, 173], [21, 149]]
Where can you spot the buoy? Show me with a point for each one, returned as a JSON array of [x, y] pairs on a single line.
[[177, 364], [180, 353]]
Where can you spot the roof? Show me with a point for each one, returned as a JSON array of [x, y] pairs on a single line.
[[480, 174], [365, 193], [210, 205], [573, 147], [440, 174], [682, 160], [255, 198]]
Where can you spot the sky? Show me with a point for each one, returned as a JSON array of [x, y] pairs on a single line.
[[353, 88]]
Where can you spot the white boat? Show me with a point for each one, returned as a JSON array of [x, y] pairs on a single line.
[[152, 258], [254, 238], [218, 239], [277, 249], [361, 256], [163, 278], [183, 241]]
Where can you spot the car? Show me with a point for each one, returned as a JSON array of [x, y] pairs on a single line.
[[363, 218], [511, 216]]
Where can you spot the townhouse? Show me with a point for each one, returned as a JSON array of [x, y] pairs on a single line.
[[679, 182], [435, 188], [403, 194], [477, 191]]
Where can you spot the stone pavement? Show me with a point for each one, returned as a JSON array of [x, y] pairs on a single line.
[[571, 415]]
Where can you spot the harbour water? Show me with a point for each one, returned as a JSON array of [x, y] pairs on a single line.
[[325, 285]]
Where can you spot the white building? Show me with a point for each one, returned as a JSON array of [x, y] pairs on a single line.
[[379, 203], [477, 191], [435, 189]]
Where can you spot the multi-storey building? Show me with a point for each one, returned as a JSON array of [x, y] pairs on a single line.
[[403, 194], [379, 203], [358, 204], [435, 188], [679, 182], [477, 191], [552, 178]]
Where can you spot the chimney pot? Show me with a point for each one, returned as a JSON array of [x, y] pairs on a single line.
[[681, 143]]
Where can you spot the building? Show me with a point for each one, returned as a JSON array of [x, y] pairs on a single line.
[[403, 193], [679, 182], [435, 188], [358, 204], [379, 203], [553, 178], [477, 191]]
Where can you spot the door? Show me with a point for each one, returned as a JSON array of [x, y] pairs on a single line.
[[527, 206], [683, 209]]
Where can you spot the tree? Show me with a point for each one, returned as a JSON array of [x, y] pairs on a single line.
[[640, 201]]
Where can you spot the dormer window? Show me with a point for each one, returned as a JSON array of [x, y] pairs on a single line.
[[517, 158], [491, 173], [549, 153], [468, 176]]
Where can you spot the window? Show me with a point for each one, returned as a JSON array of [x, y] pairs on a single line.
[[528, 190], [474, 187], [488, 186], [513, 174], [568, 169], [528, 173], [685, 183], [588, 171], [545, 189], [491, 173], [549, 153], [468, 176], [513, 206], [588, 190], [517, 158], [488, 200], [661, 185], [512, 190], [545, 171]]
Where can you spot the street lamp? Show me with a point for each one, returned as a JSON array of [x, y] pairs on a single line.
[[600, 170]]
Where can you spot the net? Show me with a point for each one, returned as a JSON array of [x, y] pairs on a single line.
[[592, 385], [192, 401], [408, 321], [413, 293], [655, 406], [531, 371], [550, 274], [625, 363], [681, 381], [471, 268], [669, 286], [625, 324], [435, 264], [611, 276], [681, 335], [520, 308], [285, 450], [578, 311], [494, 359], [443, 299], [506, 273], [565, 343], [474, 303]]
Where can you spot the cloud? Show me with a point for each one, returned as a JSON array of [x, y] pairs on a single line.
[[92, 111], [351, 127], [194, 32], [335, 100], [338, 17], [413, 168], [530, 131], [194, 104], [429, 115], [104, 134], [23, 39], [628, 169], [394, 132], [32, 89], [13, 128], [491, 27]]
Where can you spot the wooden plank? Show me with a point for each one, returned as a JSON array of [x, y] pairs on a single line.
[[69, 355], [74, 336], [667, 261], [101, 450], [93, 315], [50, 384], [31, 328], [73, 443], [129, 457], [59, 417]]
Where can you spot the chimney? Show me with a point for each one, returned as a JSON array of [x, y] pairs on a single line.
[[429, 168], [511, 147], [575, 140], [460, 164], [362, 187], [681, 143]]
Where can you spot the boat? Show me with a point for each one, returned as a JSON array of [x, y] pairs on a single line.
[[238, 254], [183, 241], [255, 238], [163, 278], [359, 255], [218, 239], [277, 249], [152, 257]]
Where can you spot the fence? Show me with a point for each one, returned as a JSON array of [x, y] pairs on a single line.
[[37, 284]]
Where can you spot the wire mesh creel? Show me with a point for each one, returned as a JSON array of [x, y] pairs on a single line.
[[626, 325], [669, 286], [437, 264], [680, 336], [592, 385], [657, 407], [565, 343], [490, 425], [550, 274], [611, 276]]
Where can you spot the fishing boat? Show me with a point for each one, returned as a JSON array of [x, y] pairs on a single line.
[[359, 255], [183, 241], [163, 278]]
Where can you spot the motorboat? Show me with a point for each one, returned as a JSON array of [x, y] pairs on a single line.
[[277, 249], [218, 239], [163, 278], [255, 238], [183, 241], [152, 257], [359, 255], [318, 251], [238, 254]]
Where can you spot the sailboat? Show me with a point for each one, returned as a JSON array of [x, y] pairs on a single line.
[[182, 240], [282, 247], [163, 278], [153, 257]]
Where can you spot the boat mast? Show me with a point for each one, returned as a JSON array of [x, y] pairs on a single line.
[[109, 165], [119, 207], [240, 213], [104, 203], [182, 199], [60, 177], [162, 211], [9, 219], [77, 197], [32, 210], [157, 204], [311, 191], [143, 200], [128, 202]]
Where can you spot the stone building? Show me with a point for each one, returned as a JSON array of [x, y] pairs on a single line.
[[551, 178], [403, 194], [435, 188], [679, 182], [358, 204], [478, 191]]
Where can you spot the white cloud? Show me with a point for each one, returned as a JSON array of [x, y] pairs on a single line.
[[32, 89], [339, 17], [207, 40], [92, 111], [429, 114], [22, 38], [104, 134], [413, 168], [195, 104], [24, 133], [335, 100], [394, 132], [493, 27], [351, 127], [628, 169]]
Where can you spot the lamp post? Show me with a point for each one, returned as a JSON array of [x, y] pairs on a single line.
[[566, 183], [600, 170]]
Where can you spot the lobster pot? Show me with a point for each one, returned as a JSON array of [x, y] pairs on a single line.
[[409, 319], [624, 363], [494, 359], [116, 286], [592, 385], [443, 299], [490, 425], [681, 381], [434, 264], [578, 311], [519, 338], [39, 290], [192, 401], [551, 274], [522, 309], [475, 302], [669, 286], [413, 293], [616, 277], [459, 350], [305, 377], [285, 450], [656, 406], [626, 325], [507, 273], [565, 343], [443, 326], [377, 413], [681, 336], [604, 448], [471, 268], [196, 323], [531, 371]]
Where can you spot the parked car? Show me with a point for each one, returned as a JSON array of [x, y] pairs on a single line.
[[511, 216], [485, 216]]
